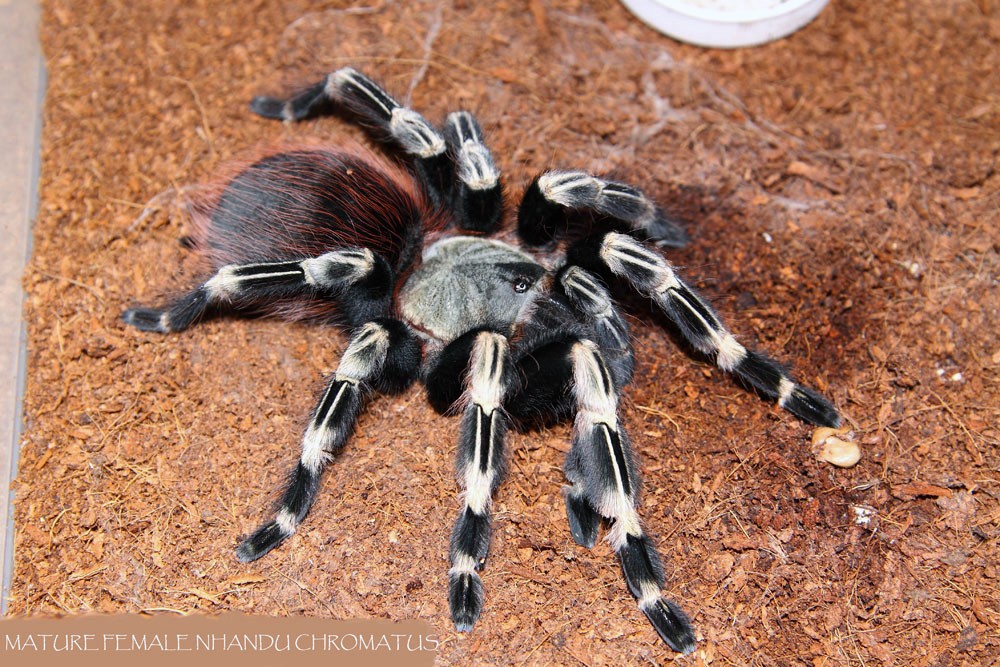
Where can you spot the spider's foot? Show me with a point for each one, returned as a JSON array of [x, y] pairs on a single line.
[[264, 539], [583, 520], [307, 103], [765, 375], [666, 232], [268, 107], [644, 575], [811, 407], [465, 595], [147, 319], [671, 623]]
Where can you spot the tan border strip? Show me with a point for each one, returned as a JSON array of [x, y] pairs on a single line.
[[203, 641], [22, 76]]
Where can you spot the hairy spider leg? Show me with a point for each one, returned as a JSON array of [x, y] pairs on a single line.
[[602, 472], [554, 199], [652, 276], [477, 197], [357, 277], [456, 167], [383, 356], [592, 303], [348, 91], [482, 358]]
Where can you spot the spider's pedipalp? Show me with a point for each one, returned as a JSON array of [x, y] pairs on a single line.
[[382, 354], [554, 197], [651, 275], [477, 200]]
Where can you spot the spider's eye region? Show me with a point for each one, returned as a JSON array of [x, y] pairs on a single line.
[[522, 284]]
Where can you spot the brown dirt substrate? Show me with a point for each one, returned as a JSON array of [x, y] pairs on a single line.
[[841, 188]]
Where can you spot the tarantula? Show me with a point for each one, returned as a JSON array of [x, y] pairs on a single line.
[[399, 254]]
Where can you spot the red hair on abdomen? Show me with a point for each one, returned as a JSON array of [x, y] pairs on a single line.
[[304, 201]]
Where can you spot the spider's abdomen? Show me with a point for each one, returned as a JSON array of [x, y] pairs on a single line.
[[305, 202]]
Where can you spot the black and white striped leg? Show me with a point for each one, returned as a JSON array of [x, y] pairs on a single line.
[[605, 483], [551, 196], [650, 274], [356, 273], [477, 199], [382, 355], [481, 466], [591, 300], [349, 90]]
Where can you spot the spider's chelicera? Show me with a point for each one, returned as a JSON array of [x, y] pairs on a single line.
[[511, 333]]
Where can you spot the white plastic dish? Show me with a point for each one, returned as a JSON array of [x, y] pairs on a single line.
[[726, 24]]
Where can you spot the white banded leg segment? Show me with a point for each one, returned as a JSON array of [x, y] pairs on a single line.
[[580, 191], [477, 197], [481, 466], [331, 424], [644, 575], [701, 326], [230, 285], [590, 298], [375, 109], [651, 275], [473, 160], [236, 285], [408, 128], [236, 281], [600, 463], [404, 127]]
